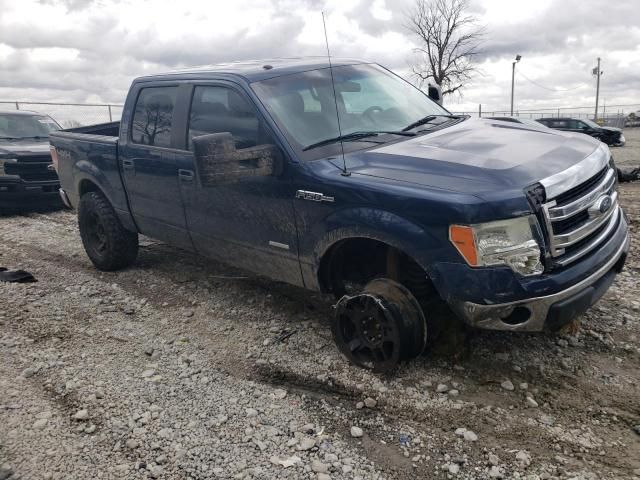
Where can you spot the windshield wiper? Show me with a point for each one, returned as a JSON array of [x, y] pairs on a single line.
[[428, 119], [37, 137], [9, 138], [356, 136]]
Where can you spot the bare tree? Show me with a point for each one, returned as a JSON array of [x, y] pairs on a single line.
[[71, 123], [449, 42]]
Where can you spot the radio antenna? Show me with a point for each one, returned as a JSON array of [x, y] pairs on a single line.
[[335, 98]]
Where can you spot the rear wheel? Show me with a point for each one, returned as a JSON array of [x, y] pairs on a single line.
[[380, 327], [108, 244]]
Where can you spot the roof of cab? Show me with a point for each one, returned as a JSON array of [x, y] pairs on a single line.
[[256, 70]]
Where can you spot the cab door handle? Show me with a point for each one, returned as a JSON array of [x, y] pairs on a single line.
[[128, 164]]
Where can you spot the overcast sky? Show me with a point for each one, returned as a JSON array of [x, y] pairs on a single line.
[[89, 51]]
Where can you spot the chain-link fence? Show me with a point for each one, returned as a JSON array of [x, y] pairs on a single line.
[[70, 114], [78, 114], [612, 115]]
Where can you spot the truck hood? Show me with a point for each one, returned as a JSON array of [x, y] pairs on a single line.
[[23, 147], [476, 156]]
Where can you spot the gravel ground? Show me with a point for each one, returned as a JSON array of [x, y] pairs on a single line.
[[181, 368]]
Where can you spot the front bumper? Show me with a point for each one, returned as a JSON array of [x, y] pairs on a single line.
[[548, 312], [15, 193]]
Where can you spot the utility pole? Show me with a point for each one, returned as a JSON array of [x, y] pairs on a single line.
[[513, 79], [596, 71]]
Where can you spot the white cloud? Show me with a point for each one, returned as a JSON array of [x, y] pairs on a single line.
[[83, 50]]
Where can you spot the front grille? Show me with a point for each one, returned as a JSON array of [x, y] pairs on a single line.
[[579, 190], [581, 218], [32, 168], [569, 224]]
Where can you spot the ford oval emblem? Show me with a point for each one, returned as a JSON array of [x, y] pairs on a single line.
[[601, 206]]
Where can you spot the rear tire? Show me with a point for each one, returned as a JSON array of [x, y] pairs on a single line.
[[108, 244]]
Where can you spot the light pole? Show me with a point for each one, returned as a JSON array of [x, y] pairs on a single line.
[[513, 79], [597, 72]]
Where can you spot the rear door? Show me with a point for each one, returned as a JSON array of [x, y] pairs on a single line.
[[247, 221], [149, 164]]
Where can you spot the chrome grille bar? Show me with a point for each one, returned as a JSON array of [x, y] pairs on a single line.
[[574, 236], [578, 173], [566, 260], [570, 209]]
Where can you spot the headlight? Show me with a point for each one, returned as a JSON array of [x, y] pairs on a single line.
[[3, 161], [505, 242]]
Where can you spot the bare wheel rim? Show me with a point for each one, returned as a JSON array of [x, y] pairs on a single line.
[[366, 332], [97, 235]]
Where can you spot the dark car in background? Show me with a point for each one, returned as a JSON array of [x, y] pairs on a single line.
[[25, 174], [610, 135]]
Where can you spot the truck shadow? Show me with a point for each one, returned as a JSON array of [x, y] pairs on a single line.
[[22, 210], [191, 272]]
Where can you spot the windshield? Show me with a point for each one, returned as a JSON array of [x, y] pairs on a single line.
[[16, 126], [531, 123], [590, 123], [369, 98]]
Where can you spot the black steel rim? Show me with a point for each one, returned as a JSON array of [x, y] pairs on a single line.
[[367, 333], [97, 234]]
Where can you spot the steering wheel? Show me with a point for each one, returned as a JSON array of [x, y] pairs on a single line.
[[371, 111]]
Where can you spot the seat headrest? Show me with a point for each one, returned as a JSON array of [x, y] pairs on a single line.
[[238, 104], [293, 102]]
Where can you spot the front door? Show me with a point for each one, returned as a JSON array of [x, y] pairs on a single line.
[[150, 168], [235, 212]]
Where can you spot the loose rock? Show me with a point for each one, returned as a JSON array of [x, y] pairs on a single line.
[[507, 385], [319, 467], [306, 443], [523, 458], [470, 436], [81, 415]]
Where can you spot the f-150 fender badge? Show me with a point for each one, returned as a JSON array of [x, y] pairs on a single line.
[[313, 196]]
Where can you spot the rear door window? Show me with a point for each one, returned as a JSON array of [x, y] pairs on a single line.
[[153, 116]]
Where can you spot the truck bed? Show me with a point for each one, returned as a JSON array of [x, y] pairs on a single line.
[[111, 129], [88, 160]]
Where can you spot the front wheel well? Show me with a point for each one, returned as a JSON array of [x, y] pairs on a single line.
[[348, 265]]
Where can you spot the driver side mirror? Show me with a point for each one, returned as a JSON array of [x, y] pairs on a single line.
[[435, 93], [218, 161]]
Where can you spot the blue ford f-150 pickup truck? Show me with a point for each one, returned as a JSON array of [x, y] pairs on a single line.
[[358, 185]]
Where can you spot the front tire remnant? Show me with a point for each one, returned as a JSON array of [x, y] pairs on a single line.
[[380, 327]]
